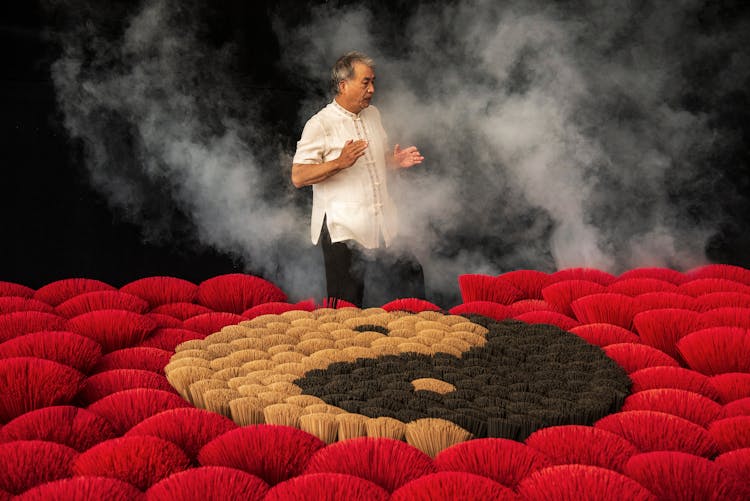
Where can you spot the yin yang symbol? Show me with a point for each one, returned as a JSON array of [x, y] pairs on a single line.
[[326, 369]]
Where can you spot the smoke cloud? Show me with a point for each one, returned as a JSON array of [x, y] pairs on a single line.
[[556, 134], [165, 128]]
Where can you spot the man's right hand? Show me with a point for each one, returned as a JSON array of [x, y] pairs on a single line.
[[351, 152], [307, 174]]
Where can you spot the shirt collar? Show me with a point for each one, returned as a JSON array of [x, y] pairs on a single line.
[[343, 110]]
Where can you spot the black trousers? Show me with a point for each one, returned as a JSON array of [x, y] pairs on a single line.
[[389, 274]]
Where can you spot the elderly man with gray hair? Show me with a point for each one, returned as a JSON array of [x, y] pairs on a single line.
[[344, 154]]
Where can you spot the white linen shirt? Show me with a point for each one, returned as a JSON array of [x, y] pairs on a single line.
[[354, 201]]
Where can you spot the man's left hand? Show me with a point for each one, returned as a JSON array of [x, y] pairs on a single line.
[[408, 157]]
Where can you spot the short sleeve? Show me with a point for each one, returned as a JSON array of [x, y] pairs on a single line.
[[311, 146]]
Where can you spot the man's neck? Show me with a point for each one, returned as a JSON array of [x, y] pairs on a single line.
[[347, 107]]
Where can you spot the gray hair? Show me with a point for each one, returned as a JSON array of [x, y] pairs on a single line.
[[344, 67]]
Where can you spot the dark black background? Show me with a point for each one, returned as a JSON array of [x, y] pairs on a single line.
[[54, 225]]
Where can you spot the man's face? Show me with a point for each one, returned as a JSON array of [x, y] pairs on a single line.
[[358, 90]]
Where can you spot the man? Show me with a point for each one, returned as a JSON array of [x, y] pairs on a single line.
[[343, 154]]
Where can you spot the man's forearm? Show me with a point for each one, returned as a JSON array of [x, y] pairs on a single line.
[[390, 161], [309, 174]]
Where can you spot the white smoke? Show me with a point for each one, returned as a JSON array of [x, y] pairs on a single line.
[[190, 131], [555, 133], [524, 104]]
